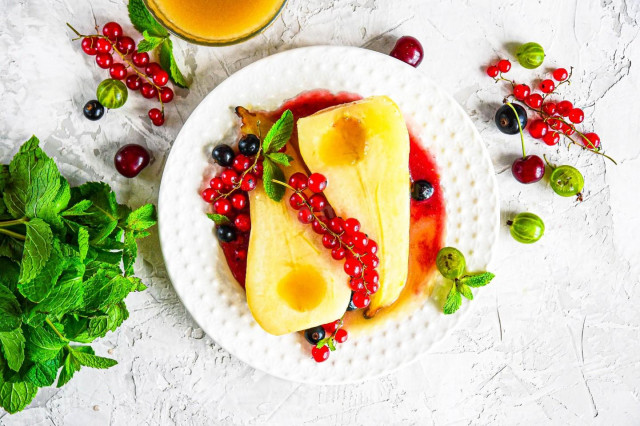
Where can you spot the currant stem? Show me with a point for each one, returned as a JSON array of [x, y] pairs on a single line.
[[524, 154], [239, 183]]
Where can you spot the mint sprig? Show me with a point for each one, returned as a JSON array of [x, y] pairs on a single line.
[[219, 219], [276, 139]]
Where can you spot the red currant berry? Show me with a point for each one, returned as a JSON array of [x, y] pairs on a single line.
[[335, 225], [409, 50], [258, 169], [229, 177], [133, 82], [318, 202], [298, 200], [371, 261], [341, 336], [249, 182], [298, 181], [166, 95], [560, 74], [160, 77], [155, 114], [549, 108], [89, 45], [103, 46], [158, 121], [360, 241], [317, 182], [329, 241], [493, 71], [555, 124], [148, 91], [152, 68], [564, 108], [112, 30], [331, 327], [118, 71], [504, 65], [222, 206], [576, 115], [125, 45], [356, 284], [241, 163], [347, 240], [317, 227], [305, 216], [547, 86], [538, 128], [568, 130], [351, 226], [534, 100], [104, 60], [209, 194], [338, 253], [521, 91], [320, 354], [373, 288], [352, 267], [242, 222], [551, 138], [591, 140], [238, 200], [140, 59], [371, 276], [360, 299], [216, 183], [372, 248]]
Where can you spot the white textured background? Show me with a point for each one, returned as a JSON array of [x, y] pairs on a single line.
[[555, 339]]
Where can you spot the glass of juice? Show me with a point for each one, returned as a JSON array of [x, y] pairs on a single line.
[[215, 22]]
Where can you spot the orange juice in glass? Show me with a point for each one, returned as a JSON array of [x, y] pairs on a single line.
[[215, 22]]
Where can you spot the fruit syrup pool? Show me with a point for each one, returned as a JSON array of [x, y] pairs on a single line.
[[427, 217]]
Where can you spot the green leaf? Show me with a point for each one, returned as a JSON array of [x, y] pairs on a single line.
[[4, 176], [272, 171], [94, 361], [465, 290], [10, 272], [37, 249], [68, 292], [219, 219], [150, 42], [15, 396], [280, 158], [13, 348], [129, 253], [117, 313], [39, 287], [98, 326], [78, 209], [11, 248], [42, 343], [69, 367], [168, 62], [102, 233], [10, 311], [279, 134], [83, 242], [143, 218], [477, 280], [104, 208], [43, 374], [61, 201], [453, 302], [106, 288], [143, 21]]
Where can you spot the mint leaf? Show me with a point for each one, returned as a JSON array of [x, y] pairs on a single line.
[[104, 289], [10, 311], [116, 314], [143, 21], [150, 42], [13, 348], [61, 200], [129, 253], [37, 249], [104, 208], [11, 248], [4, 176], [280, 158], [69, 367], [10, 273], [77, 209], [44, 373], [453, 302], [477, 280], [42, 343], [465, 290], [168, 63], [143, 218], [14, 396], [279, 134], [83, 242], [272, 171], [94, 361], [219, 219], [39, 287], [98, 326], [67, 294]]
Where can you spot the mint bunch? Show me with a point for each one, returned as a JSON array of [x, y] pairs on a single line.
[[66, 265]]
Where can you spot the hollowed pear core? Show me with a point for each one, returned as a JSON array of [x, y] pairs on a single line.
[[344, 143], [303, 288]]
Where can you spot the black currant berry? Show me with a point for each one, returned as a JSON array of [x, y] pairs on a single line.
[[314, 334], [223, 155], [421, 190], [93, 110], [226, 233], [351, 306], [249, 145], [506, 119]]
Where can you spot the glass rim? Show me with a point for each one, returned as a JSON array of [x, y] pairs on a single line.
[[212, 42]]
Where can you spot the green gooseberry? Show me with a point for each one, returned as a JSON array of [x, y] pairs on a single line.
[[526, 228], [112, 93], [566, 181], [530, 55], [450, 262]]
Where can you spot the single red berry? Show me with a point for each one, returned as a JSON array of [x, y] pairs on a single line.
[[521, 91], [258, 169], [409, 50], [351, 226], [329, 241], [568, 130], [538, 128], [155, 114], [504, 65], [360, 299], [591, 140], [555, 123], [373, 287], [133, 82], [103, 46], [215, 183], [298, 181], [352, 267], [118, 71], [317, 227], [371, 276], [112, 30], [576, 115], [347, 240], [158, 121], [148, 91], [356, 284], [209, 194], [549, 108], [372, 248], [241, 163], [229, 177], [152, 68], [305, 216], [125, 45], [297, 200], [243, 222], [318, 202], [160, 77], [317, 182], [547, 86], [249, 182], [104, 60], [335, 225], [560, 74], [140, 59], [492, 71], [360, 241], [320, 354], [166, 95], [564, 108], [332, 326], [238, 200], [338, 253], [551, 138], [222, 206], [89, 45], [371, 261], [534, 100], [341, 336]]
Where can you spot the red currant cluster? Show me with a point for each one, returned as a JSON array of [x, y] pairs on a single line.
[[336, 334], [147, 77]]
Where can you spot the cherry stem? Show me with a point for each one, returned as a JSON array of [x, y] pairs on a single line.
[[551, 166], [524, 154]]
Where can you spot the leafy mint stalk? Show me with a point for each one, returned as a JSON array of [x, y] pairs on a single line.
[[276, 139], [66, 266]]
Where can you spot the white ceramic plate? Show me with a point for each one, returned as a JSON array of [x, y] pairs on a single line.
[[195, 261]]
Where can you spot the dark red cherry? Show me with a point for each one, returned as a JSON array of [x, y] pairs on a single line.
[[131, 159], [528, 169], [408, 49]]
